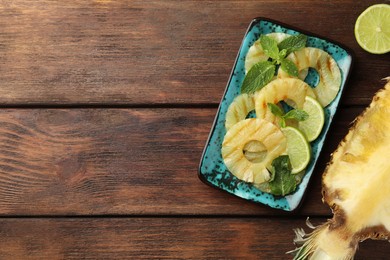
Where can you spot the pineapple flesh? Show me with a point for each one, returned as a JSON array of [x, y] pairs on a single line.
[[291, 90], [328, 71], [239, 109], [252, 134], [356, 185], [256, 54]]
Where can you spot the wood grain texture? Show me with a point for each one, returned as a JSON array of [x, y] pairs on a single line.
[[105, 183], [157, 238], [153, 52], [121, 161]]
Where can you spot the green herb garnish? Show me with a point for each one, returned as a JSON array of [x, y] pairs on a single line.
[[296, 114], [262, 72], [258, 76], [293, 43], [283, 182], [289, 67], [270, 47]]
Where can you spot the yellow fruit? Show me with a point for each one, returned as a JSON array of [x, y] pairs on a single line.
[[356, 185], [239, 109], [256, 54], [236, 141], [328, 71], [291, 90]]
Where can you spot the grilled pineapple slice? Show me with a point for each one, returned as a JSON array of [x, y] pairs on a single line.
[[291, 90], [236, 141], [256, 54], [328, 71], [356, 185], [239, 109]]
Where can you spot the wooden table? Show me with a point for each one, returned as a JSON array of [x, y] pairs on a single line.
[[105, 109]]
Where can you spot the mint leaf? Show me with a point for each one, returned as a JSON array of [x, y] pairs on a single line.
[[282, 122], [284, 182], [296, 114], [277, 111], [293, 43], [258, 76], [270, 46], [289, 67], [282, 54]]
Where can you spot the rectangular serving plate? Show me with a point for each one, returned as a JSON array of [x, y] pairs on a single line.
[[212, 169]]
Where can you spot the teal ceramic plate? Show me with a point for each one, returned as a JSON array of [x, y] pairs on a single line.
[[212, 169]]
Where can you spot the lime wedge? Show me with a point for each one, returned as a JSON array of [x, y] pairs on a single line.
[[298, 149], [372, 29], [312, 126]]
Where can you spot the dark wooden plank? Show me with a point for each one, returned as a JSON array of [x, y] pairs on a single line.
[[146, 238], [152, 52], [121, 161]]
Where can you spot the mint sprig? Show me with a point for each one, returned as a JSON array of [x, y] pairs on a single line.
[[283, 182], [289, 67], [277, 111], [296, 114], [262, 72], [258, 76], [270, 46], [293, 43]]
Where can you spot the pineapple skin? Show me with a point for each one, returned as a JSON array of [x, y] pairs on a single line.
[[356, 185]]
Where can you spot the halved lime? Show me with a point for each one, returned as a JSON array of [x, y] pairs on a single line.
[[372, 29], [312, 126], [298, 149]]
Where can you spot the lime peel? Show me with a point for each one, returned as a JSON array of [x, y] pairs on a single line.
[[312, 126], [298, 149], [372, 30]]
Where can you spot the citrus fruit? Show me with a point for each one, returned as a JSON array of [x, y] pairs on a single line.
[[372, 29], [312, 126], [298, 149]]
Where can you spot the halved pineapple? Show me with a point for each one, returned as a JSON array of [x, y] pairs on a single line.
[[328, 71], [291, 90], [256, 54], [236, 141], [239, 109], [356, 185]]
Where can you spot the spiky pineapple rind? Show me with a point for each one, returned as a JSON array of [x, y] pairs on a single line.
[[360, 211], [336, 155]]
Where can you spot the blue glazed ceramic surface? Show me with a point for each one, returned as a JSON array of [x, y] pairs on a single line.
[[212, 169]]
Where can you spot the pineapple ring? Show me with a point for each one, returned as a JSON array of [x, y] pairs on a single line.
[[239, 109], [246, 131], [286, 89], [329, 73], [256, 54]]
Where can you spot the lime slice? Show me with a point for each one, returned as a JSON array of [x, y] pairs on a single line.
[[312, 126], [298, 149], [372, 29]]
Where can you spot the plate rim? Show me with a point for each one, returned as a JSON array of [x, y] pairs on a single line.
[[253, 22]]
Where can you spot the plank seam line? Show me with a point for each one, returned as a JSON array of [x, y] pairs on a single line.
[[133, 106], [292, 217], [107, 106]]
